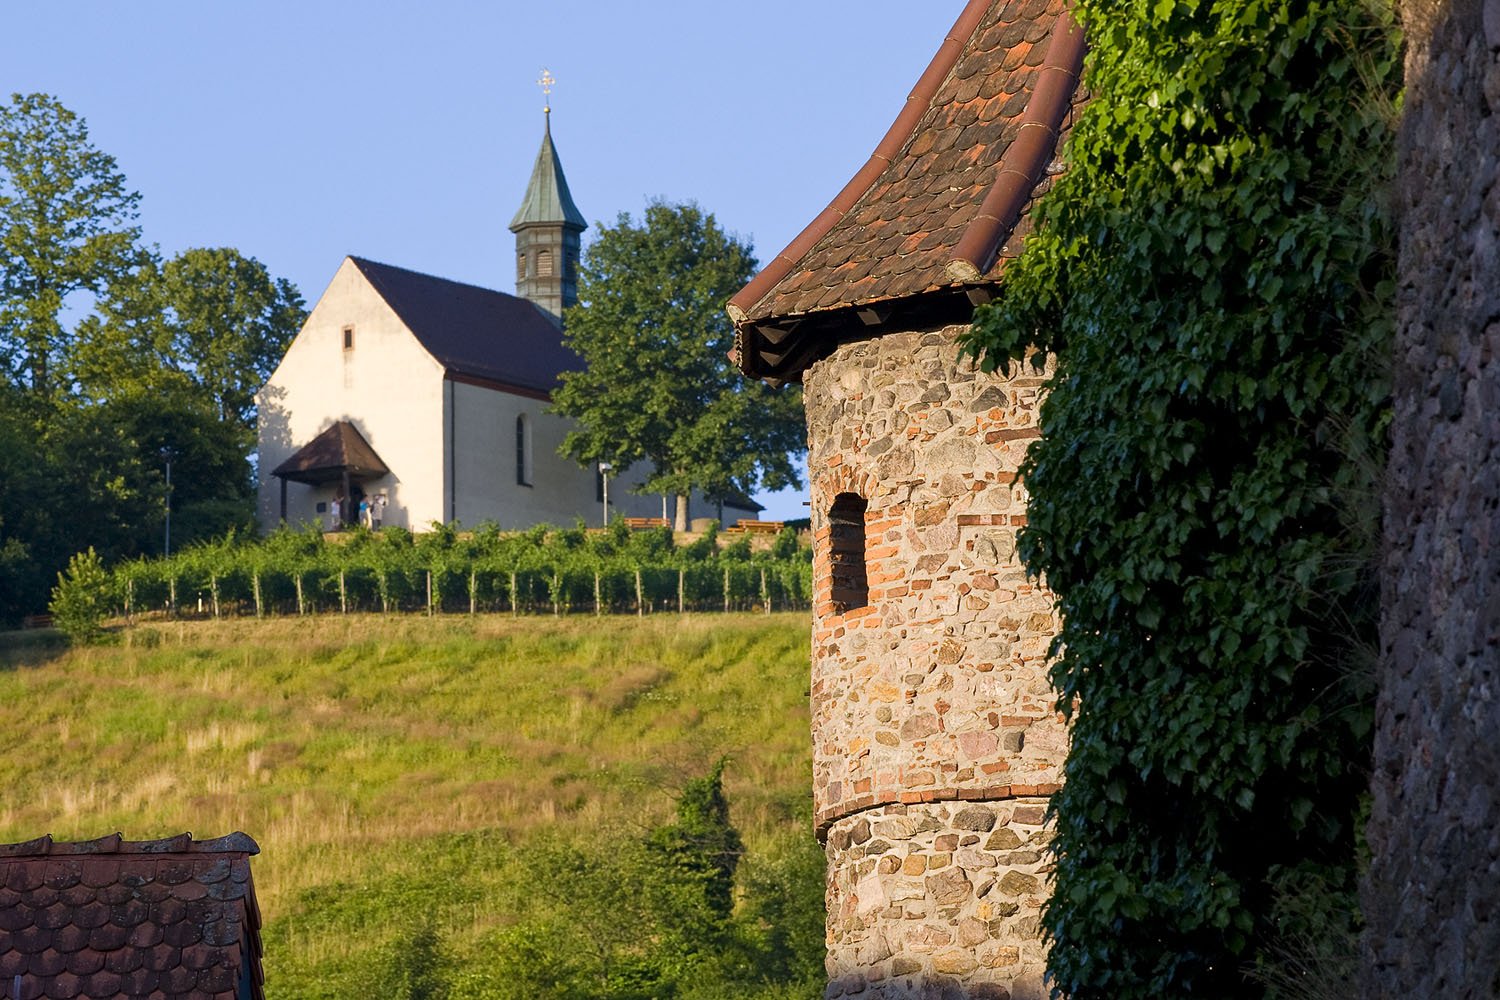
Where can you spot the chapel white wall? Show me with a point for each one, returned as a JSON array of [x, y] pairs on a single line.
[[387, 386], [561, 491]]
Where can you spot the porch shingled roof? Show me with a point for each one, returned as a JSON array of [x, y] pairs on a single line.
[[339, 449]]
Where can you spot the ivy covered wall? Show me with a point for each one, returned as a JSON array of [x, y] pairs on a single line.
[[1213, 277]]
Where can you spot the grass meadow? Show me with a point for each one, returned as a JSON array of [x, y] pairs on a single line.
[[389, 767]]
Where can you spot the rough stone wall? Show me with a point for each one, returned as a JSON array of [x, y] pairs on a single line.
[[935, 741], [1432, 897]]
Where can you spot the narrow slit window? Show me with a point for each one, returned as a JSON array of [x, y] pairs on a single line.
[[523, 451], [846, 541], [348, 338]]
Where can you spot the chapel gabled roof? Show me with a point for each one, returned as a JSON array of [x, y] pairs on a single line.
[[941, 206], [338, 449], [547, 200], [475, 333], [108, 918]]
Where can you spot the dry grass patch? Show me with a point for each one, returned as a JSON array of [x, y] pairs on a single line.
[[362, 751]]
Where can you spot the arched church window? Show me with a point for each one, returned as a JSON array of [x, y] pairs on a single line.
[[544, 264], [523, 450], [846, 550]]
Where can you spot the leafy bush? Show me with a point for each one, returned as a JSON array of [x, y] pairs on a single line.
[[1213, 278], [82, 598], [653, 917]]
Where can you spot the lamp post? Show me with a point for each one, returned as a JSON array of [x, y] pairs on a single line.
[[604, 470], [166, 454]]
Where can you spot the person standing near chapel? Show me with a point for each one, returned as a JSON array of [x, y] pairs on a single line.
[[335, 509]]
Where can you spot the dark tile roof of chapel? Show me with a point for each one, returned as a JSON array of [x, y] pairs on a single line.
[[174, 919], [338, 449], [476, 333], [945, 200]]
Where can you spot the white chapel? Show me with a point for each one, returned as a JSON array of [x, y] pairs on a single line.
[[429, 397]]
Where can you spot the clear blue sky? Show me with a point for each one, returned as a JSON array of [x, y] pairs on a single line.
[[302, 130]]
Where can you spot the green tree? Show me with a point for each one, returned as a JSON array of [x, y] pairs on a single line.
[[657, 385], [66, 225], [702, 844], [166, 364], [82, 598], [211, 321]]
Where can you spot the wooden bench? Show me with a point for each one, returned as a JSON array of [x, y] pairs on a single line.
[[637, 523], [37, 621], [745, 524]]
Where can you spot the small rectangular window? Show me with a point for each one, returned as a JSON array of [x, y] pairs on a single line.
[[523, 451], [348, 338], [846, 552]]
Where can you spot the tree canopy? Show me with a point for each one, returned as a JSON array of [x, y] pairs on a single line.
[[165, 364], [67, 224], [657, 385], [210, 322]]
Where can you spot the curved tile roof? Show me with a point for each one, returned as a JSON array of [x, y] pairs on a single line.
[[943, 202]]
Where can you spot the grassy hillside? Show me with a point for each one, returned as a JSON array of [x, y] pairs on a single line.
[[400, 773]]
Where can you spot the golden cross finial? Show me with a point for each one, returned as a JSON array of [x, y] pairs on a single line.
[[546, 81]]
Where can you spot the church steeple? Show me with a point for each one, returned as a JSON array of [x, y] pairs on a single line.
[[547, 228]]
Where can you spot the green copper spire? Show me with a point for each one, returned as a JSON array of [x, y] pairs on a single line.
[[548, 229], [547, 200]]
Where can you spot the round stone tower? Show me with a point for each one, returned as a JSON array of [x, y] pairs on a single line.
[[935, 742], [935, 738]]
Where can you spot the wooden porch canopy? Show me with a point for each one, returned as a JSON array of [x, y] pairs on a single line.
[[339, 454]]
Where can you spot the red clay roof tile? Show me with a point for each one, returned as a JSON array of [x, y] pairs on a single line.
[[943, 202], [173, 918]]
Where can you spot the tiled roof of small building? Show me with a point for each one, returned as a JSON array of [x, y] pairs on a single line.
[[173, 919], [338, 449], [944, 201]]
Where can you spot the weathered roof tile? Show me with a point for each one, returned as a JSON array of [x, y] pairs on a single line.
[[107, 918], [965, 126]]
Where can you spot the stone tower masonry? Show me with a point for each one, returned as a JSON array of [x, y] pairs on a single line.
[[935, 740], [1432, 894]]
